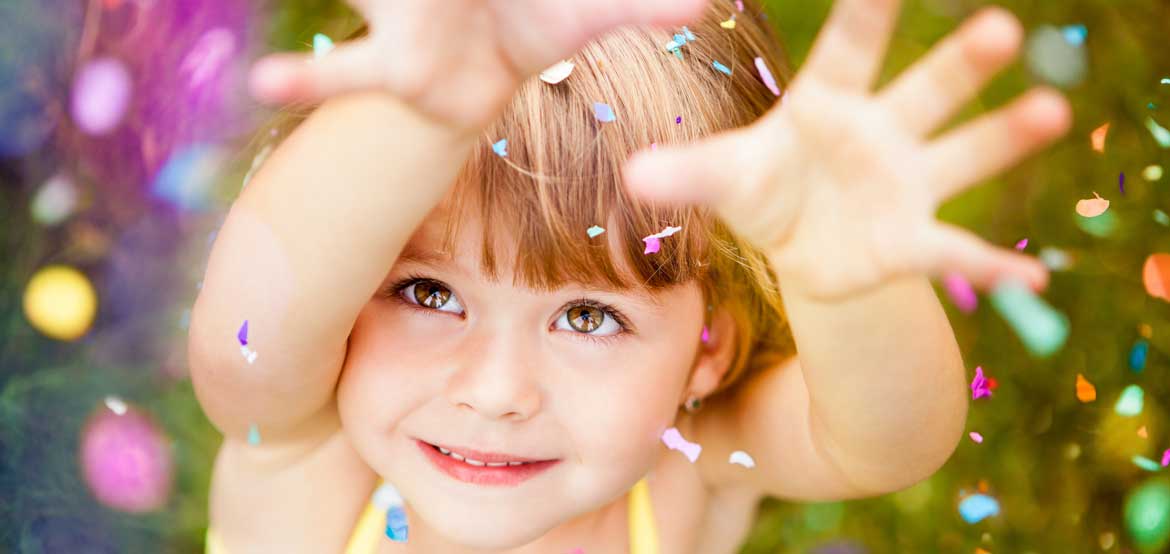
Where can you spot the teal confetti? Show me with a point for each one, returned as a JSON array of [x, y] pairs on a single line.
[[594, 231], [253, 435], [501, 148], [1131, 401], [1146, 463], [1161, 217], [1101, 226], [721, 67], [977, 507], [1042, 329], [322, 45], [1160, 133], [1075, 34], [1166, 80], [1137, 355]]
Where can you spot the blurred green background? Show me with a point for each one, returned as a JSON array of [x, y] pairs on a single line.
[[1062, 470]]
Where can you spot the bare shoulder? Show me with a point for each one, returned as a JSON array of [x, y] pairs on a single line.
[[288, 497]]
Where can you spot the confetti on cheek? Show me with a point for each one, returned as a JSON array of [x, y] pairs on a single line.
[[1137, 355], [977, 507], [577, 550], [742, 458], [675, 441], [1098, 137], [594, 231], [1156, 276], [557, 72], [1160, 133], [1092, 207], [976, 437], [766, 75], [1022, 244], [322, 45], [242, 334], [653, 241], [1131, 401], [603, 112], [720, 67], [961, 292], [1086, 392], [979, 385], [653, 146], [500, 147], [1042, 329], [101, 95]]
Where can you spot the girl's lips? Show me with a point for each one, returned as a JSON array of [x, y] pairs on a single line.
[[506, 476]]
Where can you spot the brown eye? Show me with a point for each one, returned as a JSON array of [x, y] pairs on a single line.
[[585, 319], [431, 294]]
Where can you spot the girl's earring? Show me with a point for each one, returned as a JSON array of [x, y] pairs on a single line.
[[693, 404]]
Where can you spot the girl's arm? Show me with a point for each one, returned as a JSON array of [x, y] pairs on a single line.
[[308, 241]]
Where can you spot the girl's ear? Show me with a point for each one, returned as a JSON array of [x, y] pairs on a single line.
[[714, 357]]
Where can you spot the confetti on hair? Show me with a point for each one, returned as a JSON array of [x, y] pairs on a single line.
[[1131, 401], [979, 385], [1092, 207], [721, 67], [1042, 329], [253, 435], [678, 120], [742, 458], [594, 231], [706, 336], [977, 507], [653, 241], [1152, 172], [729, 24], [603, 112], [976, 437], [500, 147], [676, 43], [1160, 133], [396, 528], [739, 5], [116, 405], [1086, 392], [1156, 276], [766, 75], [557, 72], [1098, 137], [675, 441], [961, 292], [1022, 244], [322, 45], [1146, 463]]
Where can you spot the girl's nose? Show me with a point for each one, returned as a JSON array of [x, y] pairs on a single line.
[[496, 381]]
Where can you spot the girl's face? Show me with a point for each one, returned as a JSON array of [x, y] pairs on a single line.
[[584, 380]]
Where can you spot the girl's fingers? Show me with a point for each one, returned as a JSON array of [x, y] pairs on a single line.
[[953, 249], [954, 71], [996, 141], [851, 46], [284, 78]]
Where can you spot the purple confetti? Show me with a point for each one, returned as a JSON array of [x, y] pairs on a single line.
[[979, 385], [1121, 182], [242, 335], [678, 120], [603, 112], [101, 95], [1022, 244]]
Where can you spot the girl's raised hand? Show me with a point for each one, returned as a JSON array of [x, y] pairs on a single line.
[[839, 185], [458, 61]]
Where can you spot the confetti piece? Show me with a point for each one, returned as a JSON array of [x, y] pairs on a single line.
[[678, 120], [979, 387], [1086, 392], [1092, 207], [653, 146], [1156, 276], [209, 54], [1101, 226], [603, 112], [976, 437], [742, 458], [721, 67], [1075, 34], [500, 147], [242, 334], [116, 405], [961, 292], [706, 335], [1137, 355], [675, 45], [101, 95], [594, 231], [1121, 182], [1143, 433], [766, 75], [1166, 458], [1160, 133], [1130, 402], [557, 72], [977, 507], [1022, 244], [1152, 172], [1146, 463], [1162, 218], [253, 435], [739, 5], [652, 241], [1098, 137], [675, 441], [1055, 59], [396, 527], [1166, 80], [729, 24], [248, 354], [1042, 329], [322, 45]]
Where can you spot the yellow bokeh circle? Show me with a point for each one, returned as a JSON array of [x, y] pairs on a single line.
[[60, 302]]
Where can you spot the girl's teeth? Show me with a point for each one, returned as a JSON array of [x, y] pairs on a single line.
[[444, 450], [475, 462], [514, 463], [497, 464]]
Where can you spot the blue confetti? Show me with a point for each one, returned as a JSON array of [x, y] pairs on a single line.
[[594, 231], [977, 507], [501, 148], [1075, 34], [396, 527], [603, 112], [721, 67], [1137, 355]]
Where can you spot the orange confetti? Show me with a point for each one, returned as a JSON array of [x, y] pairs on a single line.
[[981, 551], [1092, 207], [1086, 392], [1145, 330], [1156, 276], [1098, 137], [982, 486], [1143, 433]]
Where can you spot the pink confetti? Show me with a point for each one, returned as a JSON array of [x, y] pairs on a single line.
[[1022, 244], [211, 52], [706, 336], [739, 4], [102, 91], [976, 437], [766, 75], [1166, 458], [653, 146], [979, 385], [652, 241], [675, 441], [961, 292]]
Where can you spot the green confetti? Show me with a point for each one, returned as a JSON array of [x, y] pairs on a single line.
[[1101, 226], [1161, 217], [1146, 463], [1160, 133], [1042, 329], [1130, 402]]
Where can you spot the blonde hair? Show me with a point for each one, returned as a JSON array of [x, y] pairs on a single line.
[[562, 173]]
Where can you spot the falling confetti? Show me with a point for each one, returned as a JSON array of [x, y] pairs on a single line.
[[55, 201], [1146, 463], [1156, 276], [1152, 173], [322, 45], [253, 435], [1143, 433], [977, 507], [1086, 392], [979, 386], [500, 147], [1098, 137], [722, 68], [1075, 34], [557, 72], [594, 231], [1130, 402], [653, 241], [126, 461], [209, 55], [1055, 59], [603, 112], [1160, 133], [1092, 207], [976, 437], [961, 292], [675, 441], [1162, 218], [739, 5], [766, 75], [1166, 458], [101, 95], [1042, 329], [1022, 244], [1137, 355], [60, 302], [115, 405], [742, 458]]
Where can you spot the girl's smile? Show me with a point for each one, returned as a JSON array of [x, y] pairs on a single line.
[[487, 468]]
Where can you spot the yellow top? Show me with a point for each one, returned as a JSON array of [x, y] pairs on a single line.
[[370, 528]]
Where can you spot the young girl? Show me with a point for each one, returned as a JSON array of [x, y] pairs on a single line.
[[542, 347]]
